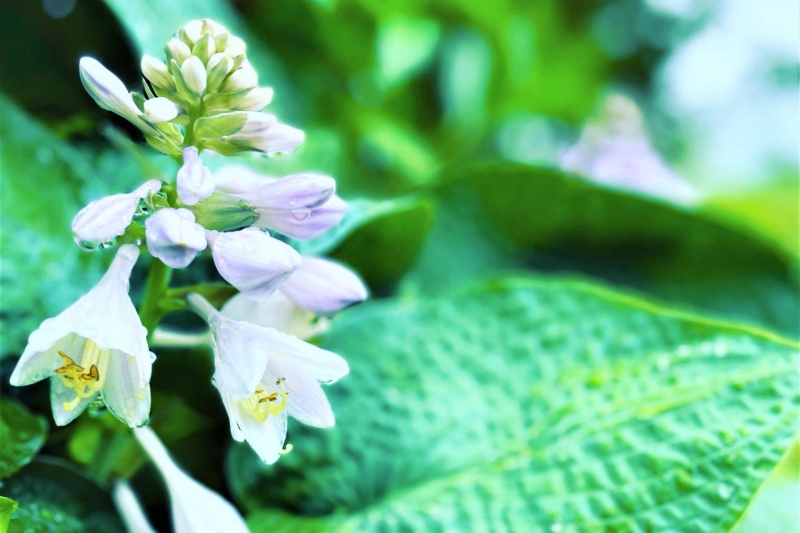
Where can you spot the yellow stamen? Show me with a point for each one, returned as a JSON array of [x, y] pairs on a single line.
[[261, 405], [75, 376]]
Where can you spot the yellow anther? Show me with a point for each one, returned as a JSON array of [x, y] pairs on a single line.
[[74, 376], [261, 405]]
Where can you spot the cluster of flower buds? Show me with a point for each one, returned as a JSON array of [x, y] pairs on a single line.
[[205, 97]]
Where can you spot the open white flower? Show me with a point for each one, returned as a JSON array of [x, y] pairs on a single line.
[[195, 508], [97, 346], [289, 384], [109, 217]]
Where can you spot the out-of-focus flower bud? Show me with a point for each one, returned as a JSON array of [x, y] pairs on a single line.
[[324, 287], [174, 237], [158, 110], [305, 224], [256, 100], [204, 48], [252, 261], [194, 74], [194, 180], [109, 217]]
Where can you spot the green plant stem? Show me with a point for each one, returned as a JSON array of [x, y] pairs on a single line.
[[155, 289]]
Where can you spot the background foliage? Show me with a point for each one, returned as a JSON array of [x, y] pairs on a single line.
[[542, 350]]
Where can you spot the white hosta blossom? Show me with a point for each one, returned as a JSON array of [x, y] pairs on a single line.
[[109, 217], [276, 311], [174, 237], [252, 261], [324, 287], [110, 93], [288, 386], [194, 180], [97, 346], [195, 508], [130, 509], [158, 110]]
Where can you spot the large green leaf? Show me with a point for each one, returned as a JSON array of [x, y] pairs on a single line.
[[533, 405], [554, 222], [55, 498], [22, 434]]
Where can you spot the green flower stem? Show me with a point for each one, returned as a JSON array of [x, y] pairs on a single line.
[[155, 289]]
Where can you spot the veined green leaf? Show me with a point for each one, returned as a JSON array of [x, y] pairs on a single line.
[[22, 433], [535, 405], [54, 498]]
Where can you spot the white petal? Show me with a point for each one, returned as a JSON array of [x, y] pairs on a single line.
[[278, 312], [158, 110], [266, 438], [130, 509], [256, 100], [194, 180], [239, 179], [61, 394], [174, 237], [304, 224], [242, 354], [298, 193], [320, 364], [194, 73], [307, 401], [124, 393], [107, 90], [195, 508]]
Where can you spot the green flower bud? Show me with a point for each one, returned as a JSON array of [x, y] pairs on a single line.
[[219, 66], [178, 50], [218, 126], [194, 74], [204, 48], [157, 73], [224, 212]]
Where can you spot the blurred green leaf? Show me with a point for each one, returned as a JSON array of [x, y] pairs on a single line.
[[22, 433], [7, 508], [54, 498], [381, 240], [555, 222], [527, 404]]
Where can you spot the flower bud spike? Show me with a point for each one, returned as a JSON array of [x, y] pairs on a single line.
[[194, 74], [158, 110], [324, 287], [194, 180], [174, 237], [252, 261]]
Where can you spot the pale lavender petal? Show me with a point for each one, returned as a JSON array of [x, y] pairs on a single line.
[[324, 287]]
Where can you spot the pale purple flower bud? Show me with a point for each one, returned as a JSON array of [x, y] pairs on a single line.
[[305, 224], [109, 92], [270, 138], [252, 261], [324, 287], [174, 237], [109, 217], [297, 192], [256, 100], [195, 182]]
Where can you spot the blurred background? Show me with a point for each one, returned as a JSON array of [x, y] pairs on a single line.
[[649, 144]]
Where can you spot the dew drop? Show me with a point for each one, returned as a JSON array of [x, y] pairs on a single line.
[[86, 246], [301, 215], [109, 243]]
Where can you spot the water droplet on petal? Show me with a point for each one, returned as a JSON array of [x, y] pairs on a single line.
[[301, 215], [86, 246], [109, 243]]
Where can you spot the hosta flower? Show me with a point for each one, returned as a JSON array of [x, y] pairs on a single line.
[[174, 237], [288, 385], [195, 508], [276, 311], [252, 261], [95, 347], [262, 134], [105, 219], [323, 286], [305, 224], [194, 181]]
